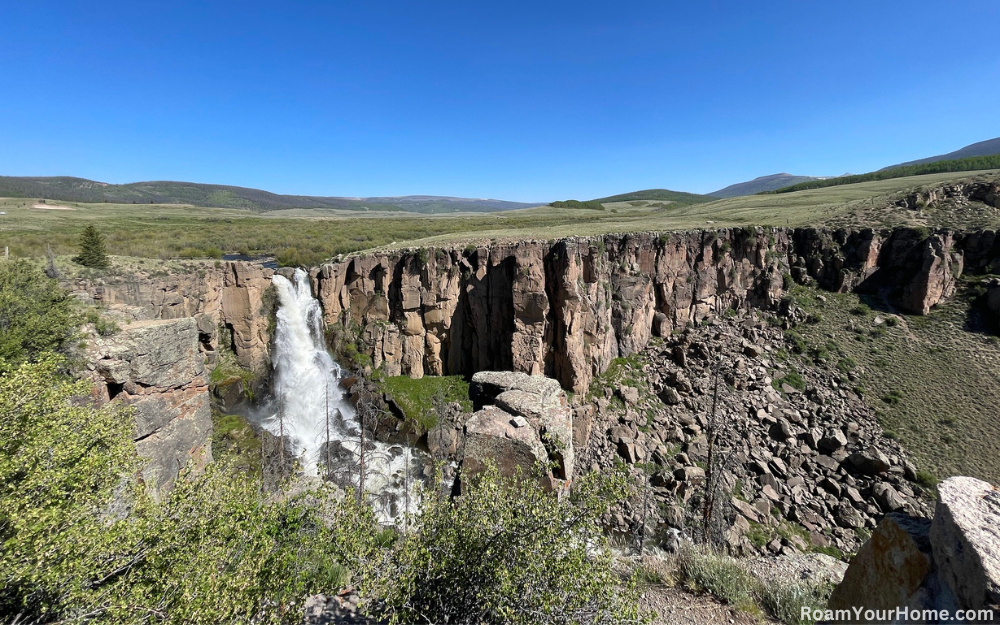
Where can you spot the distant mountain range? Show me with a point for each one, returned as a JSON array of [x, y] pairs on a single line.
[[758, 185], [68, 189]]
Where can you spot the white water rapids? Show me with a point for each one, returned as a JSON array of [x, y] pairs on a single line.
[[310, 407]]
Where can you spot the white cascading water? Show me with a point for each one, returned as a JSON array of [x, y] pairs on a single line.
[[309, 400]]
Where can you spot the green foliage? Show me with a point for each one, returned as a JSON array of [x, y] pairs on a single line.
[[893, 397], [36, 314], [103, 325], [594, 205], [677, 198], [80, 537], [233, 439], [846, 365], [927, 479], [505, 551], [792, 378], [92, 251], [861, 310], [421, 399], [799, 345], [725, 578], [963, 164]]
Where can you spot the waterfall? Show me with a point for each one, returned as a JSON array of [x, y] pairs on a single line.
[[310, 407]]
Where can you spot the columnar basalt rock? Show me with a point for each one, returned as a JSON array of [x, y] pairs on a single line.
[[243, 311], [567, 308], [156, 368]]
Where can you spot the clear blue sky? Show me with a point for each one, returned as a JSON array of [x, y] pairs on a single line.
[[514, 100]]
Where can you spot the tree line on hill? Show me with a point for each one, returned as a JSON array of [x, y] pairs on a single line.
[[974, 163]]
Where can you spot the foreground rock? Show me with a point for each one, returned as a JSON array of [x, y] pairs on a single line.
[[157, 368], [965, 537], [950, 563]]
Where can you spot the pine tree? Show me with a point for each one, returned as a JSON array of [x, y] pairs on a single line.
[[92, 252]]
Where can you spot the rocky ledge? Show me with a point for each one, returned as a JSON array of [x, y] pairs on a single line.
[[157, 368]]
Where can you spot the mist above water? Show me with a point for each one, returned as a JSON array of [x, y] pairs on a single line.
[[310, 407]]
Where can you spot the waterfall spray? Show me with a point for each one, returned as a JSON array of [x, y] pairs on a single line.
[[307, 390]]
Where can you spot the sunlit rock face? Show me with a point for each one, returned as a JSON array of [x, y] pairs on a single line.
[[566, 308]]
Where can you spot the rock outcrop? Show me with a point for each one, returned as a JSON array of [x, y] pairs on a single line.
[[567, 308], [230, 296], [951, 563], [523, 423], [245, 314], [156, 367]]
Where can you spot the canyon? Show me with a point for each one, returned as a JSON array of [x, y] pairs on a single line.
[[563, 308]]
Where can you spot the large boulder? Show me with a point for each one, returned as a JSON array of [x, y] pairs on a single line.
[[495, 436], [965, 537], [157, 368], [529, 422], [951, 563], [889, 568]]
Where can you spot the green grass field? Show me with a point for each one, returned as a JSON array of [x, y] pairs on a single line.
[[306, 237], [933, 381]]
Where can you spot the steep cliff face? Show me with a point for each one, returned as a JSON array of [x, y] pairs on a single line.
[[567, 308], [230, 296], [156, 367]]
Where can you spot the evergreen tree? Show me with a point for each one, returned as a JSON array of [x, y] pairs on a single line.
[[92, 251]]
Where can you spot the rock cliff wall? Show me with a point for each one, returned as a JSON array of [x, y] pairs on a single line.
[[567, 308], [562, 308], [156, 368], [230, 297]]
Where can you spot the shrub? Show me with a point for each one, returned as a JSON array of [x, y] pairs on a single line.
[[793, 379], [846, 365], [36, 314], [799, 345], [82, 537], [927, 479], [505, 551], [861, 310], [893, 397]]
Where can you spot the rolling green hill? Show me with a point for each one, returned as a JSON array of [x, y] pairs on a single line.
[[976, 163], [760, 184], [662, 195], [68, 189]]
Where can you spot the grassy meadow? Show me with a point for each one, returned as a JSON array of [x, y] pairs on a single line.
[[308, 236]]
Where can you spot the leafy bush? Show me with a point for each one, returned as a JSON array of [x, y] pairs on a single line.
[[80, 536], [36, 314], [505, 551]]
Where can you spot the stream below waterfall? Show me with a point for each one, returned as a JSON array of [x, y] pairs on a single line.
[[310, 411]]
